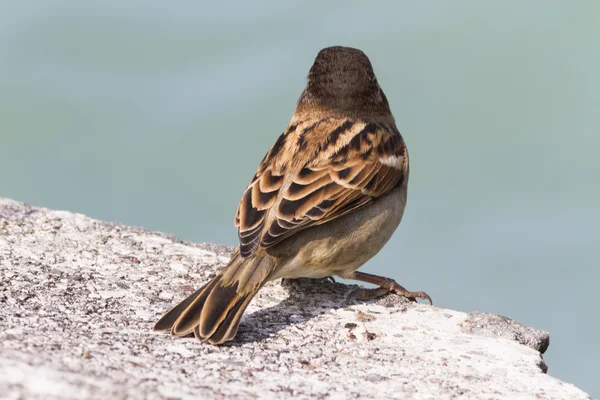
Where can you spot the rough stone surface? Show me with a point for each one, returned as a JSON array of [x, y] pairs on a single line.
[[78, 298]]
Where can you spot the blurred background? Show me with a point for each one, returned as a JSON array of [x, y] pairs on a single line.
[[157, 114]]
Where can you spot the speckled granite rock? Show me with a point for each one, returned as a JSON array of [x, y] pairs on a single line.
[[78, 298]]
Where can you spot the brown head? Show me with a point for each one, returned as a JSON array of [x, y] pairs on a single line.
[[342, 79]]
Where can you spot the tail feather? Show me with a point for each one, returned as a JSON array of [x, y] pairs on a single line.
[[217, 305], [190, 315], [165, 324], [228, 327], [214, 311]]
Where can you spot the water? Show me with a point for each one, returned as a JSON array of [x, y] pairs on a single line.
[[156, 114]]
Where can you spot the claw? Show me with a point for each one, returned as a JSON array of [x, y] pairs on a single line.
[[366, 294], [386, 285]]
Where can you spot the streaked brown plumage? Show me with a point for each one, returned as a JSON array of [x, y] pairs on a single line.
[[324, 200]]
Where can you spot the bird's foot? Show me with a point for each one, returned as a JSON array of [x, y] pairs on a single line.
[[386, 285], [300, 281]]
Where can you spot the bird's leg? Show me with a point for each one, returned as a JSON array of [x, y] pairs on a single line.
[[288, 281], [386, 285]]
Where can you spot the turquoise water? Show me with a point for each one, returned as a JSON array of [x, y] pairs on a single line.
[[156, 114]]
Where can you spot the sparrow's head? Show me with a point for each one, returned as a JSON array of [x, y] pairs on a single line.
[[343, 78]]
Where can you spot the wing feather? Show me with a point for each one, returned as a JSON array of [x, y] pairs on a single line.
[[318, 171]]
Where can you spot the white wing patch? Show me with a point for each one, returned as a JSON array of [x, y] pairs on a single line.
[[392, 161]]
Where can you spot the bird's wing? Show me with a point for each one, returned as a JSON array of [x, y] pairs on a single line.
[[316, 172]]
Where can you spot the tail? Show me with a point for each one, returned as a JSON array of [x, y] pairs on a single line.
[[214, 311]]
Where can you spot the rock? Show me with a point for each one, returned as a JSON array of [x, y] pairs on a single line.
[[78, 298], [498, 326]]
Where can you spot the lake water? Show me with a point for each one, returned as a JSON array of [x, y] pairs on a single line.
[[157, 114]]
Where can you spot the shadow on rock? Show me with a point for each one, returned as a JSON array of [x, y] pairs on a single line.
[[308, 298]]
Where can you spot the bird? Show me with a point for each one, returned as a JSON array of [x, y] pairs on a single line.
[[324, 200]]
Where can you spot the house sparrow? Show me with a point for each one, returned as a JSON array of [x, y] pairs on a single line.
[[324, 200]]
